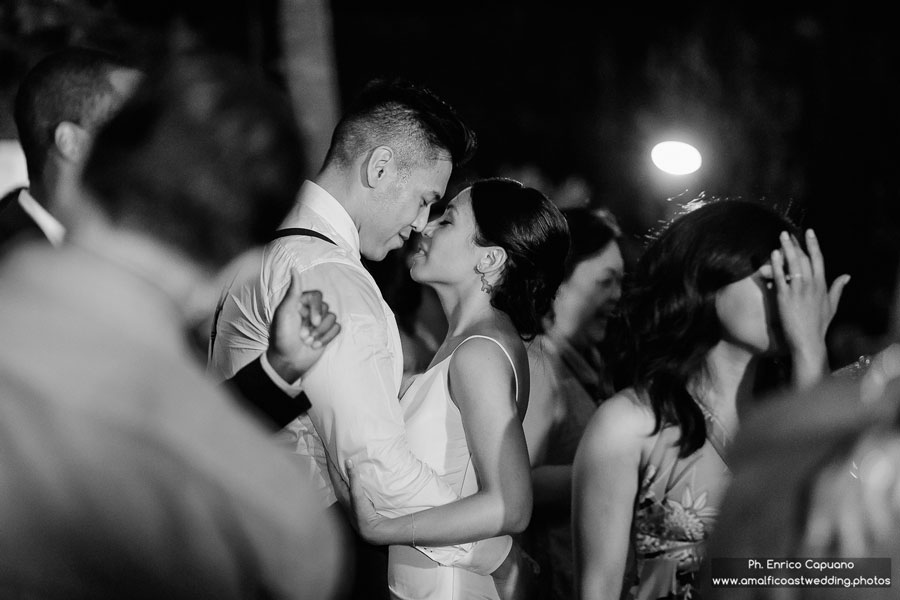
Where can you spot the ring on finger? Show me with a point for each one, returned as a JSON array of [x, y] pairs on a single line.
[[788, 278]]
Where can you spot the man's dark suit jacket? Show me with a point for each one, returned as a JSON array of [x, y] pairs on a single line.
[[15, 223], [255, 388]]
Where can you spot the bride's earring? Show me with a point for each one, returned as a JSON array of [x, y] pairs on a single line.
[[486, 287]]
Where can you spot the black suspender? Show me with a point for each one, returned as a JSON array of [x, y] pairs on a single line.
[[301, 231]]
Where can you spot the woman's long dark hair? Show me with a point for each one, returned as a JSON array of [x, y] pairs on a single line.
[[670, 308], [591, 230]]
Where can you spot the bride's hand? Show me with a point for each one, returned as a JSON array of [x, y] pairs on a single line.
[[365, 520], [806, 305]]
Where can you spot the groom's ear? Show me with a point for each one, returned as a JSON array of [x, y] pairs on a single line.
[[381, 166]]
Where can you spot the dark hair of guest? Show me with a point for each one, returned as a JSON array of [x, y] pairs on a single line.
[[203, 157], [670, 308], [68, 85], [591, 230]]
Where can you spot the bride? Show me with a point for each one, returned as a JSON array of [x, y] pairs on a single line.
[[495, 259]]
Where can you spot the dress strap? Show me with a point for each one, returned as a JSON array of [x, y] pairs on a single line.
[[508, 357]]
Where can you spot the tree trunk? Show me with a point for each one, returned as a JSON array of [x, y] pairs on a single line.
[[309, 68]]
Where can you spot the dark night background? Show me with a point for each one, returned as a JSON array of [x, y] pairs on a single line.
[[792, 103]]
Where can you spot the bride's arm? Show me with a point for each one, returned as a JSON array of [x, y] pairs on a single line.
[[482, 385]]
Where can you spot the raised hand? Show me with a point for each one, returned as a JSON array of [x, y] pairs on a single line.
[[301, 328], [806, 305]]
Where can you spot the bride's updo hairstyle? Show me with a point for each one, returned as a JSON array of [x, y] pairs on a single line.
[[534, 234]]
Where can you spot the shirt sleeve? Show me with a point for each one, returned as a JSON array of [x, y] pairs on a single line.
[[353, 390], [241, 329]]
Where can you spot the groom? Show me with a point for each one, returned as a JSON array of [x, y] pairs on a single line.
[[390, 159]]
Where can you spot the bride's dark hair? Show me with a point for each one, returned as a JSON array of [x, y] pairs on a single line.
[[534, 234]]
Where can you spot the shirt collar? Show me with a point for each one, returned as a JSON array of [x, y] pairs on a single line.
[[318, 200], [53, 229]]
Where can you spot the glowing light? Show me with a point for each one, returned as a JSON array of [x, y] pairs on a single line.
[[676, 158]]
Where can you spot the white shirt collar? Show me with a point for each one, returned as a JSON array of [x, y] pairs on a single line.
[[53, 229], [317, 199]]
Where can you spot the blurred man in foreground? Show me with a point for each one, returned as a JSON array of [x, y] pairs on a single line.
[[60, 105], [123, 471]]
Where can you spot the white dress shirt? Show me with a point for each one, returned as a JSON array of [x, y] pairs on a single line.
[[353, 388]]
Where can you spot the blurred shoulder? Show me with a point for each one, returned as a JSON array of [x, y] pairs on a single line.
[[622, 419]]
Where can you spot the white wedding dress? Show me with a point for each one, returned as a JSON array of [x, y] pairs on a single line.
[[435, 432]]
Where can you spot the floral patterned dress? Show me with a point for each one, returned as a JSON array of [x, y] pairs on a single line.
[[676, 507]]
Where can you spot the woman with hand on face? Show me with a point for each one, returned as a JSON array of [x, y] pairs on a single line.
[[723, 287], [495, 259], [569, 378]]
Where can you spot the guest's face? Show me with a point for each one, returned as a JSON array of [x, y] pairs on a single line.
[[401, 206], [447, 252], [748, 313], [586, 299]]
